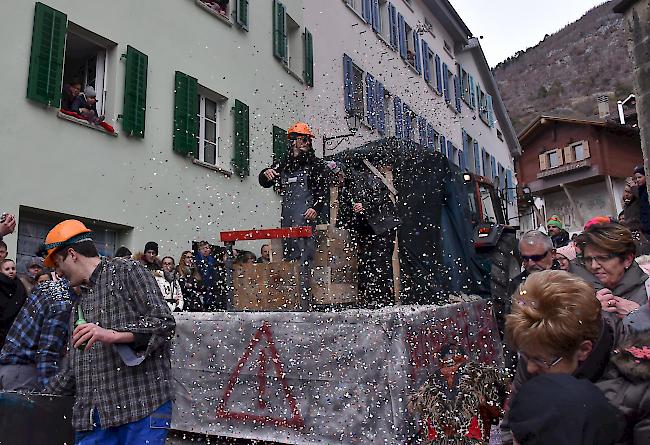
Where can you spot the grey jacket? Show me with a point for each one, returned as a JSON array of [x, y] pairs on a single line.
[[631, 286], [626, 384]]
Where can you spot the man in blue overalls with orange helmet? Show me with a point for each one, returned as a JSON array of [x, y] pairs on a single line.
[[303, 181]]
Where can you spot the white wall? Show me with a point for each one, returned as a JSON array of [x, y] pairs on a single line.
[[55, 165]]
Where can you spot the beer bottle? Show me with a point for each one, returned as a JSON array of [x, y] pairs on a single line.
[[80, 320]]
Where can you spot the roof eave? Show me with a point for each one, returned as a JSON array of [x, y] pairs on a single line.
[[450, 20]]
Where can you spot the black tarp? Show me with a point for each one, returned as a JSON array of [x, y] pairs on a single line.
[[436, 250]]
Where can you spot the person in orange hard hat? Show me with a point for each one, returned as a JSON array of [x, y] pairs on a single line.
[[119, 366], [303, 180]]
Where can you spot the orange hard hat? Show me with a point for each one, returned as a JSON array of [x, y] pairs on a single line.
[[65, 233], [300, 128]]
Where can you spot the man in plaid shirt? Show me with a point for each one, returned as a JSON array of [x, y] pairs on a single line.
[[36, 341], [119, 368]]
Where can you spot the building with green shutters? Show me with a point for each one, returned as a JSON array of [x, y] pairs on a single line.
[[196, 96], [197, 99], [411, 69]]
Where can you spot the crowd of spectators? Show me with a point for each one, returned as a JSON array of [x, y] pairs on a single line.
[[576, 331]]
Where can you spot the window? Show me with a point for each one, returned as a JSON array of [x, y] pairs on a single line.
[[410, 50], [551, 159], [470, 150], [308, 73], [384, 20], [410, 123], [353, 87], [280, 31], [295, 52], [575, 152], [375, 104], [389, 118], [445, 82], [448, 49], [433, 138], [439, 79], [218, 7], [207, 134], [467, 91], [242, 14], [487, 171], [486, 111], [64, 54], [357, 90], [499, 135], [280, 144], [356, 6], [85, 61], [428, 64], [501, 172], [289, 44]]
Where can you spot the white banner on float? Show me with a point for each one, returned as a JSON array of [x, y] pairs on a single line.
[[314, 377]]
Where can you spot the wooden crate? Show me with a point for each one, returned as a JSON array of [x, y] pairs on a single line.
[[267, 287], [334, 279]]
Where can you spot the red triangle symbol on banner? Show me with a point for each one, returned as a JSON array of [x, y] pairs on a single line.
[[296, 420]]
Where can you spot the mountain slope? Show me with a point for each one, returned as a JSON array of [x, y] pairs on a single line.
[[565, 72]]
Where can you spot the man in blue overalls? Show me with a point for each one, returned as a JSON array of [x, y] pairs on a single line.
[[303, 180]]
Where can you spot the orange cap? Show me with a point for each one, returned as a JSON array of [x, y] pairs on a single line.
[[300, 128], [64, 234]]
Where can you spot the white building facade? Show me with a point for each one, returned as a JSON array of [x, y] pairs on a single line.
[[200, 97], [193, 92], [411, 69]]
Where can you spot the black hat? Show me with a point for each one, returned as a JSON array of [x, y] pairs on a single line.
[[124, 252], [151, 245], [639, 169], [562, 410]]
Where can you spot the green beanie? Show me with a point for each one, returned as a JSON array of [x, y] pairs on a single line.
[[554, 221]]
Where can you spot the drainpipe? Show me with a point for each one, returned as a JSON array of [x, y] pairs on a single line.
[[576, 211], [612, 199]]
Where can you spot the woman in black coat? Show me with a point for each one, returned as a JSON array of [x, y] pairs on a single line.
[[12, 297]]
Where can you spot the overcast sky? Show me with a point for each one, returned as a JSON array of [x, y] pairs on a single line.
[[510, 25]]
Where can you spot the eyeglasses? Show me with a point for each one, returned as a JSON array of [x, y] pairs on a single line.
[[297, 137], [600, 259], [540, 362], [534, 258]]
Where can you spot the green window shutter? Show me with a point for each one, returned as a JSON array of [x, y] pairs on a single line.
[[46, 61], [279, 30], [280, 144], [242, 14], [241, 155], [185, 109], [309, 59], [135, 92]]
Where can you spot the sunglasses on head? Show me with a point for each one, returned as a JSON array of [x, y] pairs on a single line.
[[534, 257]]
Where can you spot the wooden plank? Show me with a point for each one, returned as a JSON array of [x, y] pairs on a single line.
[[335, 268], [285, 232], [267, 287]]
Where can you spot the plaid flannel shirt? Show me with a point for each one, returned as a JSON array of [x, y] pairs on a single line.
[[39, 332], [121, 295]]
